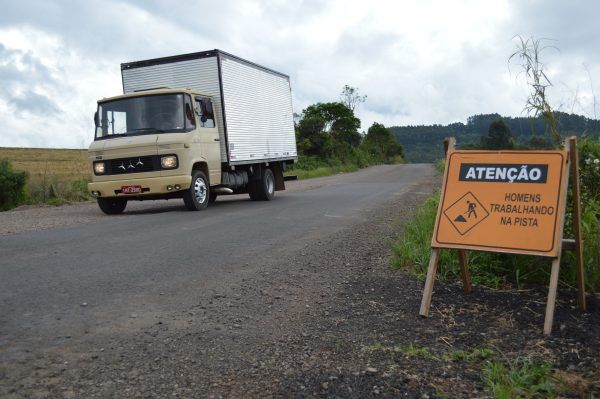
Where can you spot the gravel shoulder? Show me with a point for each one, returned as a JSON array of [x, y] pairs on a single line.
[[320, 323]]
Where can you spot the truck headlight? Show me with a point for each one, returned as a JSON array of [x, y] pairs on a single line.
[[99, 168], [168, 162]]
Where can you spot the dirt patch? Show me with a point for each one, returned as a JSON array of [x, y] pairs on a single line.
[[333, 320]]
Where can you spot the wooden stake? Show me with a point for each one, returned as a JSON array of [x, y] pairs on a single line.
[[428, 290], [577, 222], [449, 144], [551, 304], [464, 270]]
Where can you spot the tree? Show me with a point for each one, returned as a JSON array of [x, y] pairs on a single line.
[[328, 129], [499, 137], [350, 97], [381, 144]]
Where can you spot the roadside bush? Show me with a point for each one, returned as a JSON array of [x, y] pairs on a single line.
[[12, 185], [589, 167], [54, 192]]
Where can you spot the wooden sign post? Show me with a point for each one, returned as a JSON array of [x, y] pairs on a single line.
[[508, 202]]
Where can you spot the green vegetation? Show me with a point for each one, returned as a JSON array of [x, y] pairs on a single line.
[[329, 141], [54, 176], [12, 185], [418, 351], [499, 137], [522, 378], [56, 192], [476, 355], [424, 143]]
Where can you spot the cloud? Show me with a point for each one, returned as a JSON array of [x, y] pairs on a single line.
[[419, 62]]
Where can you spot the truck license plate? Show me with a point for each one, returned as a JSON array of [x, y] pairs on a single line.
[[131, 189]]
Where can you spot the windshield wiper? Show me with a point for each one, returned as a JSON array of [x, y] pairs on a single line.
[[147, 129]]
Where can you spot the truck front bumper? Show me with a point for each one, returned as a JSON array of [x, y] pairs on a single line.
[[150, 186]]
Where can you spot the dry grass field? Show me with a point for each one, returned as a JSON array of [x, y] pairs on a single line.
[[53, 173]]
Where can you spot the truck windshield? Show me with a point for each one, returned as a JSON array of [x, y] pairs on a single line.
[[152, 114]]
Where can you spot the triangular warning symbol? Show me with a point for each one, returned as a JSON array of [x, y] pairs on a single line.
[[460, 218]]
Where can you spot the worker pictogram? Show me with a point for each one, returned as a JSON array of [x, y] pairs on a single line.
[[466, 213]]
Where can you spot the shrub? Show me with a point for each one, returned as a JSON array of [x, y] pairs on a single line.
[[589, 167], [12, 185]]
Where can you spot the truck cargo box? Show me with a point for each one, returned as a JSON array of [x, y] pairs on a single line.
[[253, 104]]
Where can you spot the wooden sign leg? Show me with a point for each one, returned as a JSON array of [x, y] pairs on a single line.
[[464, 270], [577, 222], [428, 290], [551, 304]]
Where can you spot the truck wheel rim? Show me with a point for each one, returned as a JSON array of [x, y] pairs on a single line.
[[200, 190], [270, 185]]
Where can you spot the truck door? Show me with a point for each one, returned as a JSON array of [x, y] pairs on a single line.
[[209, 137]]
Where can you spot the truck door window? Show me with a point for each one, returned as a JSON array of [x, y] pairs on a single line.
[[190, 123], [204, 109]]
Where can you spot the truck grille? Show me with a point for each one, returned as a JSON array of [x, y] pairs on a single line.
[[133, 165]]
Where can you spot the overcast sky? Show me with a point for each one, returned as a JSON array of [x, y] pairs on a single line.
[[419, 62]]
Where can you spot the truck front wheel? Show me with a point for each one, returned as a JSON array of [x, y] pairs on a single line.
[[112, 206], [197, 196]]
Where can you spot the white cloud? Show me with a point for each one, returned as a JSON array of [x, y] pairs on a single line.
[[419, 62]]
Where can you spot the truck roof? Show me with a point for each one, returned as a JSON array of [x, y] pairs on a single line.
[[193, 56], [158, 90]]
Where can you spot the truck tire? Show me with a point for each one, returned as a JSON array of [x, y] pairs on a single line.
[[265, 186], [197, 196], [252, 191], [112, 206]]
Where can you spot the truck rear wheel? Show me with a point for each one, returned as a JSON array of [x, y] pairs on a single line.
[[197, 196], [263, 188], [112, 206]]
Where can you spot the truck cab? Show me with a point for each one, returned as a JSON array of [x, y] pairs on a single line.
[[162, 144]]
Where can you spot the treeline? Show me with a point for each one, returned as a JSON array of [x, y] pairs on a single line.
[[423, 143]]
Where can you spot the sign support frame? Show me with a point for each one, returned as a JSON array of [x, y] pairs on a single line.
[[571, 173]]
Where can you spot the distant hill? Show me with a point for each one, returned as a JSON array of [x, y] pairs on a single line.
[[425, 143]]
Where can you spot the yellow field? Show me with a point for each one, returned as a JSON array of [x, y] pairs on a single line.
[[49, 165]]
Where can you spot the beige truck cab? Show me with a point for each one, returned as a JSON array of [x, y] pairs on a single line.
[[155, 144], [191, 143]]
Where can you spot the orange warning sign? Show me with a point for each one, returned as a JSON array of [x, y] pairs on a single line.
[[502, 201]]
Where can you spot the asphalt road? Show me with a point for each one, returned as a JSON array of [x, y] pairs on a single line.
[[121, 272]]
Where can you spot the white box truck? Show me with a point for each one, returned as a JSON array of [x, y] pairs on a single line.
[[192, 126]]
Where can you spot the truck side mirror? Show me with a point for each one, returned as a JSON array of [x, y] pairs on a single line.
[[96, 118]]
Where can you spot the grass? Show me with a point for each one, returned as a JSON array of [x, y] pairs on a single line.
[[309, 167], [519, 378], [322, 171], [476, 355], [56, 176], [502, 378]]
